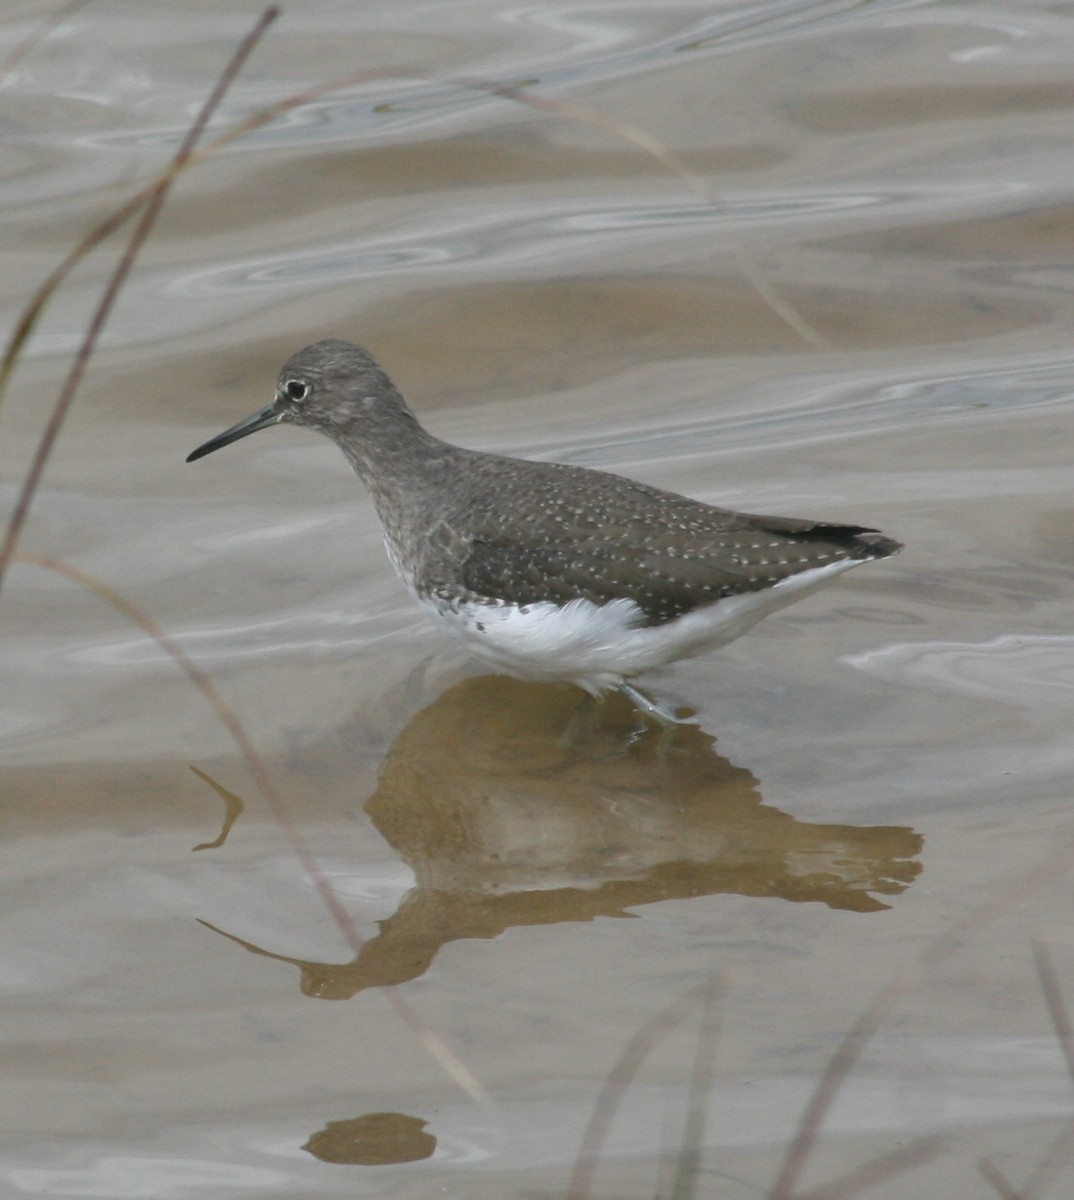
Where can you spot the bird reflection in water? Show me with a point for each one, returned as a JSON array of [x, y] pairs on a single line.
[[503, 826]]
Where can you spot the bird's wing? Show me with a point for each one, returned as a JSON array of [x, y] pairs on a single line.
[[666, 570]]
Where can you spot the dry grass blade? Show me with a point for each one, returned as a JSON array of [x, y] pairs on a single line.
[[782, 308], [224, 713], [587, 116], [114, 286], [1053, 997], [37, 304], [839, 1067], [31, 314], [621, 129], [998, 1180], [1047, 1170], [186, 157], [879, 1170], [41, 31], [154, 194], [688, 1162], [1043, 1175], [270, 793], [1057, 1157], [619, 1078], [1024, 884], [656, 150]]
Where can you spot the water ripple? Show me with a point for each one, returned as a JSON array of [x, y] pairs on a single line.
[[494, 239], [826, 411], [592, 47], [1035, 671]]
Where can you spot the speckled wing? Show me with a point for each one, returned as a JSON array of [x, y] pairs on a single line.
[[669, 558]]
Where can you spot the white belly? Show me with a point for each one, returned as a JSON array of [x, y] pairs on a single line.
[[595, 646]]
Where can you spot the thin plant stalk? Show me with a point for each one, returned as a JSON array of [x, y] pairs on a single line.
[[38, 34], [688, 1162], [272, 796], [851, 1045], [879, 1170], [154, 194], [611, 1093], [154, 203]]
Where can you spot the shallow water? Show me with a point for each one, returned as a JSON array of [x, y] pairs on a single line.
[[853, 303]]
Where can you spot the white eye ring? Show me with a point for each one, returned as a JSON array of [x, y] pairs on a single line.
[[296, 389]]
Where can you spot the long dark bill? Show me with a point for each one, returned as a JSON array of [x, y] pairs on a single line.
[[269, 415]]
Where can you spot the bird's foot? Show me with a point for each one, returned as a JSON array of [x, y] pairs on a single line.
[[585, 718], [663, 717], [667, 721]]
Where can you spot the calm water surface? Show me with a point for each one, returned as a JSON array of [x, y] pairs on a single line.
[[853, 302]]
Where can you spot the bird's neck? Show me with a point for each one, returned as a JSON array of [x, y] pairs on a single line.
[[401, 464]]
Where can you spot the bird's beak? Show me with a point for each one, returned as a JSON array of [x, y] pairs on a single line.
[[269, 415]]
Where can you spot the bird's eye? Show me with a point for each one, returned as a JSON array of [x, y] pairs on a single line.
[[296, 389]]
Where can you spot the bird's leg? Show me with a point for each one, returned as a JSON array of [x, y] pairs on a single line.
[[666, 719], [581, 722], [667, 722]]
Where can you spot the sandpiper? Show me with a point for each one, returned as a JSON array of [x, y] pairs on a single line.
[[552, 572]]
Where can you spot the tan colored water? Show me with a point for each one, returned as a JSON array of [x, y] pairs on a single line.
[[868, 320]]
